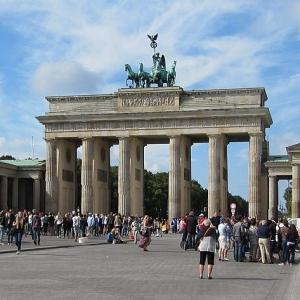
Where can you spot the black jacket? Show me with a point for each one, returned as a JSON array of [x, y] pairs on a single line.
[[191, 224]]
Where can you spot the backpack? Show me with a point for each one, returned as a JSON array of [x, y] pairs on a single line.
[[36, 222]]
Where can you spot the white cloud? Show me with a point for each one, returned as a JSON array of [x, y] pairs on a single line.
[[157, 158], [64, 78], [278, 143]]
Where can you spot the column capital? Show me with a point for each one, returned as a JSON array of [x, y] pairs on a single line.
[[215, 134], [174, 136], [50, 140], [88, 138], [255, 134]]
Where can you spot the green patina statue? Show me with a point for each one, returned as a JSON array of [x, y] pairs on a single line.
[[159, 74]]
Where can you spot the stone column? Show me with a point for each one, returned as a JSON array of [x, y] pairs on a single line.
[[36, 193], [87, 175], [223, 177], [255, 151], [174, 178], [3, 203], [185, 179], [51, 203], [101, 171], [273, 198], [214, 184], [124, 176], [136, 176], [15, 194], [264, 193], [295, 191]]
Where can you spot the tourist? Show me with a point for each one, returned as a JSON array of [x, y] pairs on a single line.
[[2, 226], [76, 226], [272, 227], [90, 224], [9, 219], [45, 223], [125, 223], [58, 221], [222, 240], [263, 233], [207, 249], [51, 220], [157, 227], [244, 238], [236, 231], [19, 224], [118, 221], [36, 227], [136, 227], [145, 238], [67, 225], [292, 239], [253, 239], [183, 231], [191, 224], [83, 225], [282, 235], [29, 229]]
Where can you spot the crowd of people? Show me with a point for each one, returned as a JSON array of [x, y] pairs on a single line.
[[75, 225], [264, 241]]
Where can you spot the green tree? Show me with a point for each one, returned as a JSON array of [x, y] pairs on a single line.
[[156, 194], [7, 157]]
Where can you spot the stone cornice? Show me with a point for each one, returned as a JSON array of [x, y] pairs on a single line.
[[230, 92], [262, 113], [80, 98]]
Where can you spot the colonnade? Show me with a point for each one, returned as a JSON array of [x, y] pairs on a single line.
[[95, 189], [17, 193]]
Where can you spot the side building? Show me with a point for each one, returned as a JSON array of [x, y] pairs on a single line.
[[22, 184]]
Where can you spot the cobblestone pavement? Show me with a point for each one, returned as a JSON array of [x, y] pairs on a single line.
[[123, 271]]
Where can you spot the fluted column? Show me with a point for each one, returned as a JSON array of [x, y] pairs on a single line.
[[51, 203], [124, 176], [273, 198], [295, 191], [87, 175], [255, 152], [174, 178], [15, 194], [3, 202], [36, 193], [214, 183], [223, 177]]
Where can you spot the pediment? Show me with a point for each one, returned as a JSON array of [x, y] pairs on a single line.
[[295, 147]]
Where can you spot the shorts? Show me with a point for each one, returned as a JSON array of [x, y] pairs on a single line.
[[222, 242], [210, 257]]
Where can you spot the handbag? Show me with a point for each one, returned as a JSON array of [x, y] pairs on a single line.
[[145, 232]]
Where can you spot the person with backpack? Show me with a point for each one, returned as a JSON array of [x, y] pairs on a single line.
[[36, 228]]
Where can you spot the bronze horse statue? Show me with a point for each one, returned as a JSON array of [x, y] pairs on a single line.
[[144, 77], [134, 77]]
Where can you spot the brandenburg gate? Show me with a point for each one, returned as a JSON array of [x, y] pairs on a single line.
[[140, 115], [135, 117]]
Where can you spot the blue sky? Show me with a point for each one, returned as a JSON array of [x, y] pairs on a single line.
[[80, 47]]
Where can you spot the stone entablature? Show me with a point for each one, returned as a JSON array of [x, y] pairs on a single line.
[[167, 98], [155, 112]]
